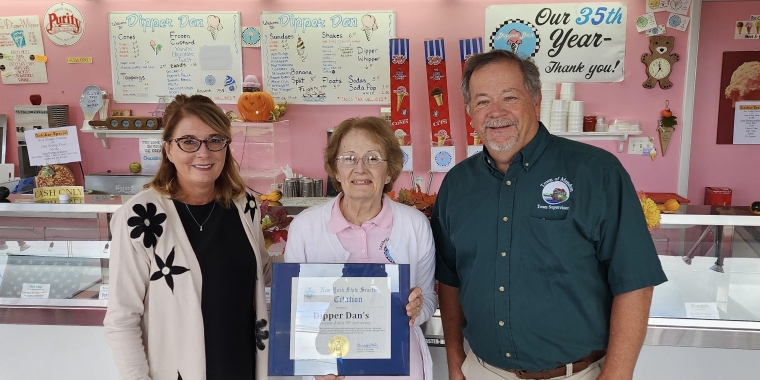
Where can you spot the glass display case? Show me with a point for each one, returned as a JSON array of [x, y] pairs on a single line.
[[54, 260], [711, 255], [261, 149]]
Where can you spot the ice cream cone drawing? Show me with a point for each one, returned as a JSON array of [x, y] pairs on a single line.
[[437, 94], [665, 134], [442, 136], [400, 134], [214, 25], [745, 83], [757, 27], [748, 26], [515, 39], [369, 25], [475, 138], [300, 48], [739, 25], [400, 94], [153, 45]]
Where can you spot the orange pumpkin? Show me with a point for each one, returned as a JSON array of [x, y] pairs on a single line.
[[667, 113], [256, 106]]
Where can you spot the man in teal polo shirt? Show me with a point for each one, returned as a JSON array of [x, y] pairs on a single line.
[[544, 260]]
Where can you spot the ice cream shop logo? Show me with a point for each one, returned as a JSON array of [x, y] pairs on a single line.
[[64, 24], [517, 36]]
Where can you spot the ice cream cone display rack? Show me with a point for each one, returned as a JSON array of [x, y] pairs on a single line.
[[400, 101], [442, 151], [468, 47], [399, 79], [435, 68]]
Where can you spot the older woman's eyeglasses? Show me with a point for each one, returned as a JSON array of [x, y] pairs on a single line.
[[191, 145], [368, 160]]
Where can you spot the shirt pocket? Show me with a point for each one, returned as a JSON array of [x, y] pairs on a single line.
[[547, 240]]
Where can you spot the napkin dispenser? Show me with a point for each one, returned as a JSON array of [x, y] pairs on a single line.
[[6, 172]]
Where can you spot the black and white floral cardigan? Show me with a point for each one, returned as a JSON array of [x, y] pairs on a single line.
[[154, 323]]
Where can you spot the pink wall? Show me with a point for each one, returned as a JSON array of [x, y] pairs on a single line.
[[416, 19], [733, 166]]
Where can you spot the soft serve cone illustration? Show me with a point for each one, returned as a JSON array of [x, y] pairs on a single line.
[[300, 48], [214, 25], [442, 136], [400, 134], [400, 94], [369, 25]]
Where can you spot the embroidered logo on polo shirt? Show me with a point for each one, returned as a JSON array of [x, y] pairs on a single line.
[[554, 192]]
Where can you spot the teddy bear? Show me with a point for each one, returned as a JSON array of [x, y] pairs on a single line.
[[659, 63]]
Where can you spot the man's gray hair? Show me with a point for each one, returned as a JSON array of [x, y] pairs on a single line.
[[531, 75]]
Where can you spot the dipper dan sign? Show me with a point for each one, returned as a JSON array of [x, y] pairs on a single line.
[[574, 42], [64, 24]]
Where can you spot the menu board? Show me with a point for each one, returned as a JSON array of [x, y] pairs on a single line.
[[20, 40], [327, 57], [166, 54]]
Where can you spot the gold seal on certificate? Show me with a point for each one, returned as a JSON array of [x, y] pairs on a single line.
[[338, 346]]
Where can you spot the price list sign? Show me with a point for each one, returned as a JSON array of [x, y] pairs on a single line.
[[53, 146]]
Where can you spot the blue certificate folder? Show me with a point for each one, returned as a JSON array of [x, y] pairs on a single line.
[[282, 329]]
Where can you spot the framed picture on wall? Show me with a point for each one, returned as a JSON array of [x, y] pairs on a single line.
[[739, 87]]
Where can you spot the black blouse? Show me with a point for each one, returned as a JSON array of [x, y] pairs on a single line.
[[228, 268]]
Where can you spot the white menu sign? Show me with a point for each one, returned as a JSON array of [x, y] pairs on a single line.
[[150, 155], [20, 40], [747, 122], [53, 146]]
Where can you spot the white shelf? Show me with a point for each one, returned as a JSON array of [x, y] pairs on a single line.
[[105, 134], [620, 137]]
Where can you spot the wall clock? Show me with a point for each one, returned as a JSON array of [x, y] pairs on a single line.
[[659, 63]]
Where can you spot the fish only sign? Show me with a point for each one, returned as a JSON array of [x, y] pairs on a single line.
[[573, 42]]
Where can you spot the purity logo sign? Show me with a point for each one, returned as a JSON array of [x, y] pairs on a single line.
[[64, 24]]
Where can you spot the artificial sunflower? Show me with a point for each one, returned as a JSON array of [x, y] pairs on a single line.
[[651, 212]]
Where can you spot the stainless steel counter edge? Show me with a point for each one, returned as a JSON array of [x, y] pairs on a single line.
[[675, 332]]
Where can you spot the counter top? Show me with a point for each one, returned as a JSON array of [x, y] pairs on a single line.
[[103, 203]]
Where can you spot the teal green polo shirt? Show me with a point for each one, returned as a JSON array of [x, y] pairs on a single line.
[[538, 253]]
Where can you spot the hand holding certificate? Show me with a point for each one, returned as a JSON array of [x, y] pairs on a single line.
[[346, 319]]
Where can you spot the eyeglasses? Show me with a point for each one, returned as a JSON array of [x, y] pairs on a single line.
[[369, 160], [191, 145]]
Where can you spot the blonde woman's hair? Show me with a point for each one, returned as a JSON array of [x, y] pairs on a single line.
[[229, 186]]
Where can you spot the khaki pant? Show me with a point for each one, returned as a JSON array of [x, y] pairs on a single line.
[[476, 369]]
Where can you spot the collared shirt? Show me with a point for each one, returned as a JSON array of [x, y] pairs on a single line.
[[538, 253], [367, 243]]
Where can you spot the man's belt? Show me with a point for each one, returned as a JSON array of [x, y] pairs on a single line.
[[578, 366]]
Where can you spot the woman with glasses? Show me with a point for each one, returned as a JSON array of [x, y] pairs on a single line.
[[363, 225], [188, 264]]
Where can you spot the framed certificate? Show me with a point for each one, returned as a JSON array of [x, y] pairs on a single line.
[[344, 319]]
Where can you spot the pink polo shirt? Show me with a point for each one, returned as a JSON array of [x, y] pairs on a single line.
[[368, 244]]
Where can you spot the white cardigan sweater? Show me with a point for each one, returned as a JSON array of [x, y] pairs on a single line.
[[154, 330], [311, 241]]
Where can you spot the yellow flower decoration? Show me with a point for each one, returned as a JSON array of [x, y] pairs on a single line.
[[651, 212]]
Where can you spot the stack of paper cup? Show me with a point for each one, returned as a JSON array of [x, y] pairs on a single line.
[[559, 116], [548, 94], [567, 91], [575, 116]]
